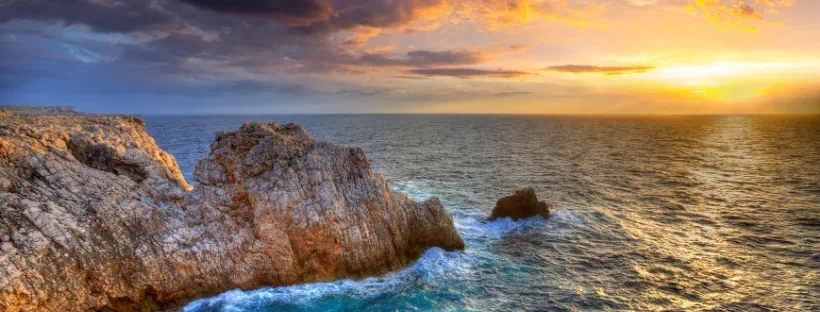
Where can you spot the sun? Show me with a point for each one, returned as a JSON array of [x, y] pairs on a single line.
[[725, 81], [703, 75]]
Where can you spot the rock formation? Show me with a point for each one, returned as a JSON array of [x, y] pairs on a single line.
[[96, 217], [523, 204]]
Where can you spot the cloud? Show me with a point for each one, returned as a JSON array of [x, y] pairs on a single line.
[[738, 14], [496, 14], [329, 16], [511, 93], [293, 12], [606, 70], [746, 11], [462, 72], [253, 36], [103, 16], [728, 14], [196, 52], [426, 58], [641, 3], [196, 39]]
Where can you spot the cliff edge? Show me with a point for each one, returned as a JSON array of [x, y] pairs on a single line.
[[96, 217]]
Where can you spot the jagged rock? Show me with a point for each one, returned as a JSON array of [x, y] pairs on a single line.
[[523, 204], [96, 217]]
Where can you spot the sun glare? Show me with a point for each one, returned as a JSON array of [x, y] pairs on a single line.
[[729, 81], [700, 75]]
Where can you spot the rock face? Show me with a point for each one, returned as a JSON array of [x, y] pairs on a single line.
[[96, 217], [523, 204]]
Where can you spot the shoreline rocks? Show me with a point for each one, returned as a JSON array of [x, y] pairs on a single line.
[[523, 204], [95, 216]]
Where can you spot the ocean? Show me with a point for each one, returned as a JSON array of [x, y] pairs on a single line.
[[671, 213]]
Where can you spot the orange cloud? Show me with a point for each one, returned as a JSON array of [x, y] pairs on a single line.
[[738, 14], [361, 35], [496, 14]]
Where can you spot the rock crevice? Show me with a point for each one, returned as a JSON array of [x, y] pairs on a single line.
[[95, 216]]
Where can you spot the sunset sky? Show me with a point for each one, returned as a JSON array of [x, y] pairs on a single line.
[[413, 56]]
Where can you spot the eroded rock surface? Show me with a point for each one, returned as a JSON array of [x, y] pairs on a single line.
[[96, 217], [523, 204]]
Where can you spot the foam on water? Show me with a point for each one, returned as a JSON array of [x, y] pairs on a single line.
[[413, 189], [433, 266]]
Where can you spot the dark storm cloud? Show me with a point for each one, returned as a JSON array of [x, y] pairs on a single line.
[[606, 70], [99, 15], [208, 47], [231, 32], [326, 16], [296, 12], [379, 13], [460, 72]]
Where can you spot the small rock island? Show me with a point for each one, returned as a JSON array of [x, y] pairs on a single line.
[[96, 217], [523, 204]]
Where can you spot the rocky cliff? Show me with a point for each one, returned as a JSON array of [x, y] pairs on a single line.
[[96, 217]]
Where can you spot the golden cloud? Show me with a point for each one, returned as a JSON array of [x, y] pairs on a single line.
[[738, 14], [496, 14]]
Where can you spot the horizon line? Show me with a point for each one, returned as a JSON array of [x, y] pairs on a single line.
[[471, 114]]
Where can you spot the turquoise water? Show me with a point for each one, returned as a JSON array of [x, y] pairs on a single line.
[[710, 213]]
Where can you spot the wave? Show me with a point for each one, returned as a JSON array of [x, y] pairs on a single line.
[[434, 266]]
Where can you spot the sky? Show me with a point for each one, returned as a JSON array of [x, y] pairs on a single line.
[[412, 56]]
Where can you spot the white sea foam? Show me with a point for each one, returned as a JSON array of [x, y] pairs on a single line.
[[475, 226], [414, 189], [434, 266]]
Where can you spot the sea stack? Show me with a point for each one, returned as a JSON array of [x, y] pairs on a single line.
[[95, 216], [523, 204]]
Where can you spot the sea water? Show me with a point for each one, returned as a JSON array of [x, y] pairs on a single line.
[[682, 213]]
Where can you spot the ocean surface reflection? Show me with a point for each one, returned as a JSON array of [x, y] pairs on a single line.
[[707, 213]]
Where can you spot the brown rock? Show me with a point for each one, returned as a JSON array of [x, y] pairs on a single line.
[[96, 217], [523, 204]]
